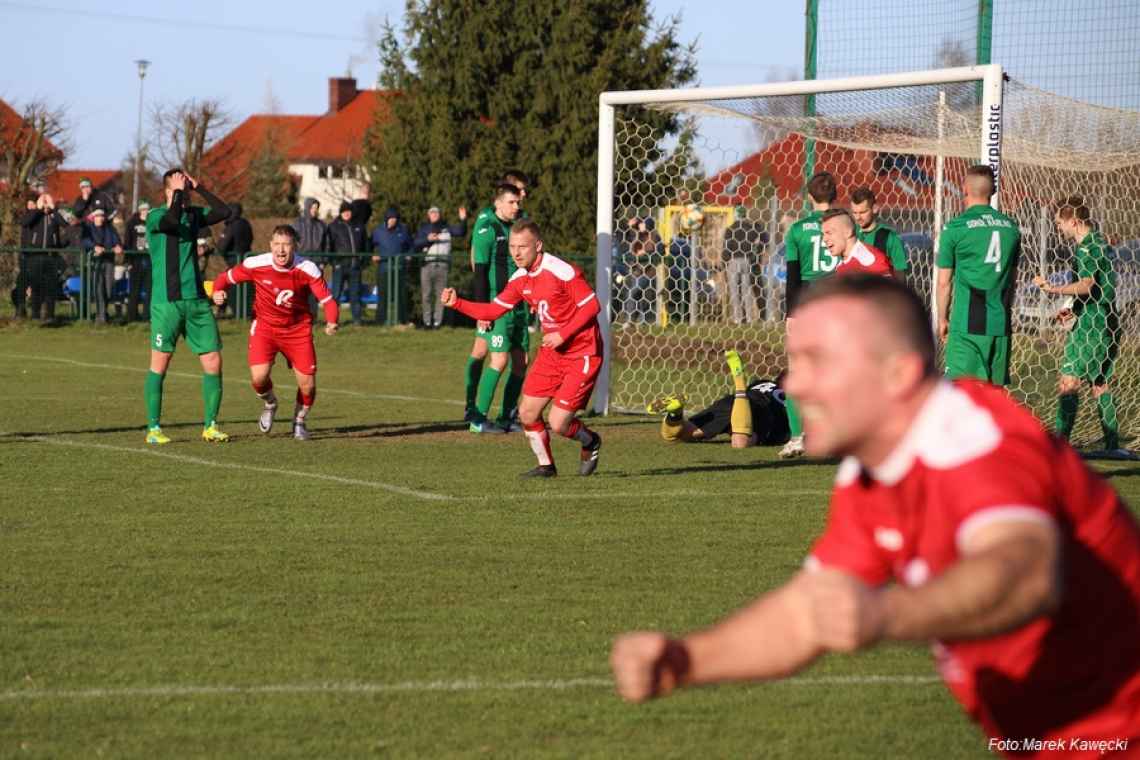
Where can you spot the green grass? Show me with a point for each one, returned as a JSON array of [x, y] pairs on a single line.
[[355, 620]]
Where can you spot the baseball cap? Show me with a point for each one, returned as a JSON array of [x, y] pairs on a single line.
[[85, 182], [433, 208], [144, 206], [98, 212]]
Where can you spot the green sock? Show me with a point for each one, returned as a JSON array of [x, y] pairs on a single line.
[[511, 392], [795, 426], [1067, 404], [153, 393], [487, 384], [1106, 405], [473, 372], [212, 396]]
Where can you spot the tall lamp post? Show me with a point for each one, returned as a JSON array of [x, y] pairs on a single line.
[[142, 64]]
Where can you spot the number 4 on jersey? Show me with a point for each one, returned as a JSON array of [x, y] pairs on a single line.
[[993, 253]]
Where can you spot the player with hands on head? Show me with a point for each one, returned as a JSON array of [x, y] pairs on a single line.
[[283, 323]]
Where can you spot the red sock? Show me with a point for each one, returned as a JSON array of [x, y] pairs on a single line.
[[579, 431], [263, 390], [539, 438], [303, 403]]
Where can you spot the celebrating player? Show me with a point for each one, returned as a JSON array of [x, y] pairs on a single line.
[[808, 261], [854, 255], [178, 302], [571, 355], [282, 283], [977, 257], [1090, 349], [754, 413], [955, 519]]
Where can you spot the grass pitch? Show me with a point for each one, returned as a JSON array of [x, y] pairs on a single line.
[[391, 587]]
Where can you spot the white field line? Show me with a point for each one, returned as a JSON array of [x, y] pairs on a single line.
[[376, 484], [413, 686], [678, 494], [195, 376]]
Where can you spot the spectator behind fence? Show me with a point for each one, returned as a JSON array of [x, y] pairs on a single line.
[[236, 241], [20, 291], [742, 245], [138, 266], [205, 248], [91, 199], [434, 239], [642, 254], [102, 241], [346, 235], [44, 228], [389, 241], [312, 233]]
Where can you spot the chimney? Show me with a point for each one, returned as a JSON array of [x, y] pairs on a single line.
[[341, 92]]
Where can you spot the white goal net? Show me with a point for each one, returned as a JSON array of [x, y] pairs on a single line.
[[691, 225]]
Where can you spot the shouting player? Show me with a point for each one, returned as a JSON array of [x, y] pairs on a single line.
[[838, 229], [571, 355], [955, 519], [283, 324]]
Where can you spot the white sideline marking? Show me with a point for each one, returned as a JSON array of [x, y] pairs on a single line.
[[414, 686], [193, 376], [632, 495], [428, 495]]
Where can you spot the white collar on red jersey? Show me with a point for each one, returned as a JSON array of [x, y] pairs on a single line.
[[948, 431]]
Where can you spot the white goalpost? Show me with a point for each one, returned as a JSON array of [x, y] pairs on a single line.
[[670, 295]]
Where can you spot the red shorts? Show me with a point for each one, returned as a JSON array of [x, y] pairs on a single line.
[[569, 380], [295, 342]]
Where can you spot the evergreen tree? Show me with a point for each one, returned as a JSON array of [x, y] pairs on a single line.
[[493, 85], [269, 191]]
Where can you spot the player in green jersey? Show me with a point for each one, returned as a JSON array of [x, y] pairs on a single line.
[[874, 233], [480, 382], [179, 302], [1090, 349], [808, 260], [977, 260]]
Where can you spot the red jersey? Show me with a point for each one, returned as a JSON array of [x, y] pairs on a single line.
[[866, 259], [281, 296], [971, 457], [564, 301]]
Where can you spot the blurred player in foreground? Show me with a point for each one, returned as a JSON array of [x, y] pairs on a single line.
[[754, 413], [283, 324], [571, 354], [955, 519]]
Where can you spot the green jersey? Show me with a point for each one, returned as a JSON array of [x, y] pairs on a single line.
[[982, 246], [804, 244], [173, 255], [1094, 309], [888, 241], [490, 248]]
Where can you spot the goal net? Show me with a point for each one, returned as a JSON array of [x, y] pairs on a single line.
[[691, 225]]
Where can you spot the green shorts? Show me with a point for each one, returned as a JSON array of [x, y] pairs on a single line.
[[507, 332], [985, 357], [193, 318], [1090, 354]]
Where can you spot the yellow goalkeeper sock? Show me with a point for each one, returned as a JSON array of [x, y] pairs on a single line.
[[741, 418], [671, 428]]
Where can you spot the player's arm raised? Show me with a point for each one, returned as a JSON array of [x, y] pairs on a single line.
[[504, 302], [771, 638], [231, 276]]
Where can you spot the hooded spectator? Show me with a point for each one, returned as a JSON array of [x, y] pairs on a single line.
[[390, 241]]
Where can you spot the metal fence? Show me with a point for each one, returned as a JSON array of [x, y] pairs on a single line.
[[72, 271]]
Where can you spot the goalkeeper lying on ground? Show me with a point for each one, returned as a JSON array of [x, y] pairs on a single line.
[[754, 413]]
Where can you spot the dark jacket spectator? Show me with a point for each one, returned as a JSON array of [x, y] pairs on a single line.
[[102, 241], [361, 211], [100, 235], [392, 237], [90, 199], [44, 227], [347, 236], [237, 236], [134, 238], [312, 233]]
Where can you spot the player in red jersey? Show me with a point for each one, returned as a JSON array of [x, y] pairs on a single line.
[[956, 519], [283, 324], [838, 227], [571, 355]]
